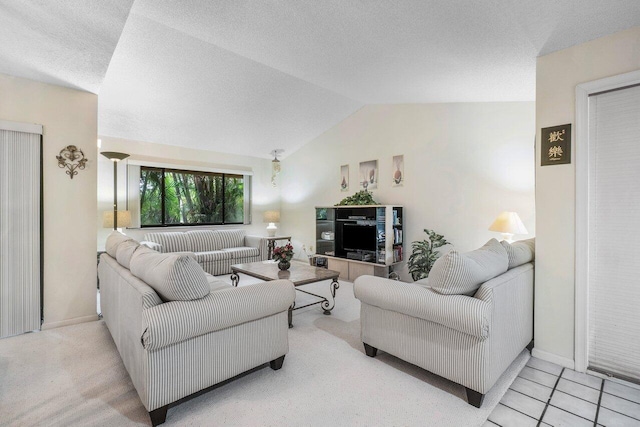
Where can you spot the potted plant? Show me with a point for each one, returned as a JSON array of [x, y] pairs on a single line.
[[283, 254], [424, 254]]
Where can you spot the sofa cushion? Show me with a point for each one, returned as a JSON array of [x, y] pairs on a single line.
[[456, 273], [175, 277], [114, 239], [125, 251], [174, 241], [204, 240], [212, 256], [216, 284], [229, 238], [243, 252], [520, 252]]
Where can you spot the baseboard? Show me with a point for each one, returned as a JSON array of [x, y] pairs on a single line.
[[553, 358], [74, 321]]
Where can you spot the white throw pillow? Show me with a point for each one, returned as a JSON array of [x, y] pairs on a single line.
[[114, 239], [125, 251], [152, 245], [456, 273], [520, 252], [174, 276]]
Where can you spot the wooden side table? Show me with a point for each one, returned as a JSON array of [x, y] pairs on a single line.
[[271, 243]]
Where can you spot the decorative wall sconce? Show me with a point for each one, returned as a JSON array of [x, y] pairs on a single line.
[[275, 165], [72, 158]]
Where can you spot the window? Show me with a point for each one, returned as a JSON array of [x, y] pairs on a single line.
[[170, 197]]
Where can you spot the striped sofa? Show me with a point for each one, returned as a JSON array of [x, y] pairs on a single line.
[[180, 330], [467, 322], [215, 250]]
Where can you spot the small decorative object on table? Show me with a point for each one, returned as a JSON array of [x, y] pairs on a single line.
[[283, 254]]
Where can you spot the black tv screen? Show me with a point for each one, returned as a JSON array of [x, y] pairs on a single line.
[[359, 237]]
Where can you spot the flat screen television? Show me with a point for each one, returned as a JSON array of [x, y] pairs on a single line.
[[359, 237]]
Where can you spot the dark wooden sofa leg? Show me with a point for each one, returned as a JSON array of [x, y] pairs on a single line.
[[277, 363], [530, 346], [369, 350], [474, 398], [158, 416]]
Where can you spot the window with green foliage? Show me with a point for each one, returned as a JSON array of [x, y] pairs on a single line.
[[177, 197]]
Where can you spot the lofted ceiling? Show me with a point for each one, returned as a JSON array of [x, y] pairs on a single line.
[[248, 76]]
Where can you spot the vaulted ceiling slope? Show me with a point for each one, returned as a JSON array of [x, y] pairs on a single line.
[[248, 76], [65, 42]]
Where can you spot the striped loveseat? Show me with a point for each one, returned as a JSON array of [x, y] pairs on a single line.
[[215, 250], [180, 330], [467, 322]]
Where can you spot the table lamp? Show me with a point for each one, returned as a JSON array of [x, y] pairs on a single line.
[[508, 223], [271, 217]]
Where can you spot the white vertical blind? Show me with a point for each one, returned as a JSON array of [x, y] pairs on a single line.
[[614, 232], [19, 232]]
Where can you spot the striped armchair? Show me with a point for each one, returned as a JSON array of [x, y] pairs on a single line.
[[469, 339]]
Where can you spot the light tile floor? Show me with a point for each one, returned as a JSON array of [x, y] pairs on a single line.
[[545, 394]]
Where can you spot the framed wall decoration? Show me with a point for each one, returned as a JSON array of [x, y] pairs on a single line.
[[398, 171], [556, 145], [369, 175], [344, 178]]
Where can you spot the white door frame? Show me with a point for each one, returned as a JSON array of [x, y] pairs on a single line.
[[582, 207]]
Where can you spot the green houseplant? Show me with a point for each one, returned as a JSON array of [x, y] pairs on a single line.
[[424, 254], [362, 197]]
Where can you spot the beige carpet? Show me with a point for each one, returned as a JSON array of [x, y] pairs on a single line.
[[73, 376]]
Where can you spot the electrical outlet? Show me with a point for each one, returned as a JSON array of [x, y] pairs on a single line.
[[304, 248]]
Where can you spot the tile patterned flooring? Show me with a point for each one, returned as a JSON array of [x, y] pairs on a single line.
[[545, 394]]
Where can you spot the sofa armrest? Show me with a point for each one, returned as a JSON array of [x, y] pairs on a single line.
[[176, 321], [258, 242], [460, 312]]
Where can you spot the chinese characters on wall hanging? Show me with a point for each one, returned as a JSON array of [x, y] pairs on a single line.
[[556, 145]]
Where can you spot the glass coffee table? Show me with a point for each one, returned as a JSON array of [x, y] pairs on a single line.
[[300, 274]]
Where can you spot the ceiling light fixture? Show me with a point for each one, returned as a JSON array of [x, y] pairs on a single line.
[[275, 165]]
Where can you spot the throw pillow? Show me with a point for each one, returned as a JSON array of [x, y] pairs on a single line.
[[125, 251], [174, 276], [520, 252], [152, 245], [114, 239], [456, 273]]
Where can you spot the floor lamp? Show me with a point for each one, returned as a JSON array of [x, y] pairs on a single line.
[[115, 158]]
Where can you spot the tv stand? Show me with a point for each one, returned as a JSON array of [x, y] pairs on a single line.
[[360, 240]]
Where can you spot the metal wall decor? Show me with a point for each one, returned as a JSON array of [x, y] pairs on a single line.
[[72, 158]]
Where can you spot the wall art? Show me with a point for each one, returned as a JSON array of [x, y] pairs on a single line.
[[72, 158], [344, 178], [398, 171], [369, 175], [556, 145]]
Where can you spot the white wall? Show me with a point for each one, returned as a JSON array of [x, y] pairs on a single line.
[[558, 74], [464, 164], [265, 196], [69, 117]]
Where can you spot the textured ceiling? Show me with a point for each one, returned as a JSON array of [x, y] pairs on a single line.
[[248, 76], [64, 42]]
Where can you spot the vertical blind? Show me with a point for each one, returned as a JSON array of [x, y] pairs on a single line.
[[614, 233], [19, 232]]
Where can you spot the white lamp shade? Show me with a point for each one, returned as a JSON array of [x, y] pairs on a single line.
[[508, 223], [124, 219], [271, 216]]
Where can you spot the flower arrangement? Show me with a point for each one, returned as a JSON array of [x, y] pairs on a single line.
[[283, 253]]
